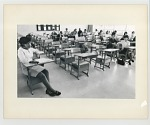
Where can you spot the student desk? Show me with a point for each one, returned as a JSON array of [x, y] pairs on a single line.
[[86, 55], [55, 46], [132, 43], [97, 47], [41, 61], [83, 65], [112, 51], [132, 47], [78, 43], [71, 49], [67, 59], [132, 50]]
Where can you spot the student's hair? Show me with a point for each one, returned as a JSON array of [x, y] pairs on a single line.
[[133, 32], [66, 28], [113, 33], [24, 40], [126, 36], [28, 36], [125, 33]]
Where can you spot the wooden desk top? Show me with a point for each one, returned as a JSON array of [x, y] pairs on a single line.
[[70, 49], [40, 52], [41, 61], [110, 50], [55, 45], [132, 47], [85, 54]]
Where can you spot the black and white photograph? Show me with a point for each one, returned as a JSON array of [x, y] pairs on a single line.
[[76, 61]]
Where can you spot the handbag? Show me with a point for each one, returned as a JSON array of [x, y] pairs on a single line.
[[120, 61]]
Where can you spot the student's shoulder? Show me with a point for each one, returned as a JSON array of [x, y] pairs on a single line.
[[20, 49]]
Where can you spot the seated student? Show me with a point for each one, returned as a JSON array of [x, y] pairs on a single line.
[[125, 33], [85, 33], [84, 48], [101, 35], [66, 32], [96, 32], [25, 55], [125, 45], [133, 37], [112, 41], [60, 35], [44, 34], [79, 32]]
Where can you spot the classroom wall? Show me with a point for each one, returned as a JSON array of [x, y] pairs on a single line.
[[25, 29], [72, 27], [120, 28]]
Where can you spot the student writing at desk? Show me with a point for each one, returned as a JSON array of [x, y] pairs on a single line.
[[125, 44], [132, 37], [25, 55], [112, 41]]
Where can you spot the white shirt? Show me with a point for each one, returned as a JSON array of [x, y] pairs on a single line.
[[25, 56], [125, 44], [96, 33], [66, 32]]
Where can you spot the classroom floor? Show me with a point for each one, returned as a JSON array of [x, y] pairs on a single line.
[[118, 82]]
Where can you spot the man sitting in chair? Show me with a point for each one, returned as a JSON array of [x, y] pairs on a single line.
[[125, 44], [25, 55]]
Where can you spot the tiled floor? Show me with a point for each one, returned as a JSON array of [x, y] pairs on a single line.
[[118, 82]]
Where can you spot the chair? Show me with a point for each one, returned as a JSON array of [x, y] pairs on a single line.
[[66, 59], [31, 81], [124, 54], [50, 50], [57, 52], [98, 41], [79, 66], [103, 60], [64, 45], [64, 39], [46, 44], [71, 42]]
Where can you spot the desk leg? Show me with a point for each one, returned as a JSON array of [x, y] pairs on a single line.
[[55, 56]]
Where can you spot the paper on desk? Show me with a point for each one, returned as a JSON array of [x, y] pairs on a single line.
[[44, 60]]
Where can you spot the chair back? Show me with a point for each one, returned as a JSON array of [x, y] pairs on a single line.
[[64, 38], [119, 46], [98, 41], [64, 45], [76, 50], [97, 37], [71, 39], [81, 39], [56, 43]]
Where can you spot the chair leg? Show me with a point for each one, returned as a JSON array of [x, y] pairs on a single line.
[[71, 70], [78, 75], [60, 62], [30, 86], [65, 65], [95, 63], [68, 66], [103, 65]]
